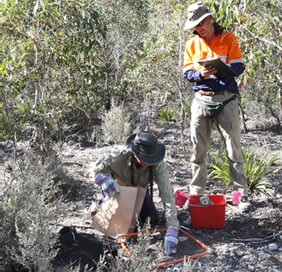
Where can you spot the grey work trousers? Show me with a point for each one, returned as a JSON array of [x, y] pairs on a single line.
[[228, 124]]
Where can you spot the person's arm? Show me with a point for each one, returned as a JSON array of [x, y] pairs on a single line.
[[105, 171], [110, 163], [189, 72], [166, 194], [237, 67], [103, 165], [234, 57], [198, 76]]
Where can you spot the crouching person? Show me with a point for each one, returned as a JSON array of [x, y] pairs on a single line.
[[138, 163]]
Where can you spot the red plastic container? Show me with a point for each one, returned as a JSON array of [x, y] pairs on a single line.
[[207, 216]]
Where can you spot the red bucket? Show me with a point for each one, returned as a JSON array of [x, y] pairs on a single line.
[[210, 215]]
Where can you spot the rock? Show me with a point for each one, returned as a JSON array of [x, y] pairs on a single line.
[[68, 154], [269, 204], [212, 251], [263, 255], [273, 261], [279, 189], [239, 252], [251, 267], [245, 258], [273, 247]]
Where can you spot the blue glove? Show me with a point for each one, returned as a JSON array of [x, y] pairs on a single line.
[[171, 240], [108, 184]]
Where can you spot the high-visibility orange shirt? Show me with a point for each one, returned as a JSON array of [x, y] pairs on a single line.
[[223, 45]]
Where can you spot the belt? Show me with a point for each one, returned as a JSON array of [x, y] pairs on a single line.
[[212, 93]]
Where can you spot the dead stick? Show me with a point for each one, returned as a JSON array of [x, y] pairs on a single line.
[[256, 239]]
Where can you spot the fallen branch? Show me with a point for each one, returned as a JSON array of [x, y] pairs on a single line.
[[274, 236]]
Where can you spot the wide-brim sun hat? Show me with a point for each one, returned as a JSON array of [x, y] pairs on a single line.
[[196, 13], [146, 147]]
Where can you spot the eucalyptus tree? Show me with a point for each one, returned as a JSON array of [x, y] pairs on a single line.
[[257, 24], [49, 64], [126, 22]]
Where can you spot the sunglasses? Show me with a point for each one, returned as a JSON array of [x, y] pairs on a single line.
[[201, 23]]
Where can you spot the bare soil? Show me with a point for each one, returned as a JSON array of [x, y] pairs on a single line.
[[250, 241], [240, 245]]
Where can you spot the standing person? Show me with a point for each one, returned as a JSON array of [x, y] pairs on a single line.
[[211, 40], [139, 162]]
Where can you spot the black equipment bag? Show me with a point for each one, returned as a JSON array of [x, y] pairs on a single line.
[[211, 110]]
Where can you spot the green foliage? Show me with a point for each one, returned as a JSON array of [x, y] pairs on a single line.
[[187, 106], [257, 25], [50, 60], [116, 125], [5, 127], [219, 167], [29, 211], [66, 60], [257, 171], [167, 114], [156, 69], [126, 23]]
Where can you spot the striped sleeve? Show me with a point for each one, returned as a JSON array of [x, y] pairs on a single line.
[[188, 61], [234, 53]]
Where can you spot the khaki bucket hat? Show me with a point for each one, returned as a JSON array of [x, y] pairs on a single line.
[[196, 13]]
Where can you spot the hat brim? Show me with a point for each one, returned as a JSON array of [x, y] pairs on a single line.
[[149, 160], [192, 24]]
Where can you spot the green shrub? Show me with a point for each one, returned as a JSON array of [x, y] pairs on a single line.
[[168, 114], [257, 171], [219, 166], [116, 125], [29, 211], [49, 64]]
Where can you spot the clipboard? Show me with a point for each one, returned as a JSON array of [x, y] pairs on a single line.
[[223, 71]]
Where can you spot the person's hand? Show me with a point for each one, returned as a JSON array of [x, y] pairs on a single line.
[[108, 184], [208, 71], [171, 239]]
